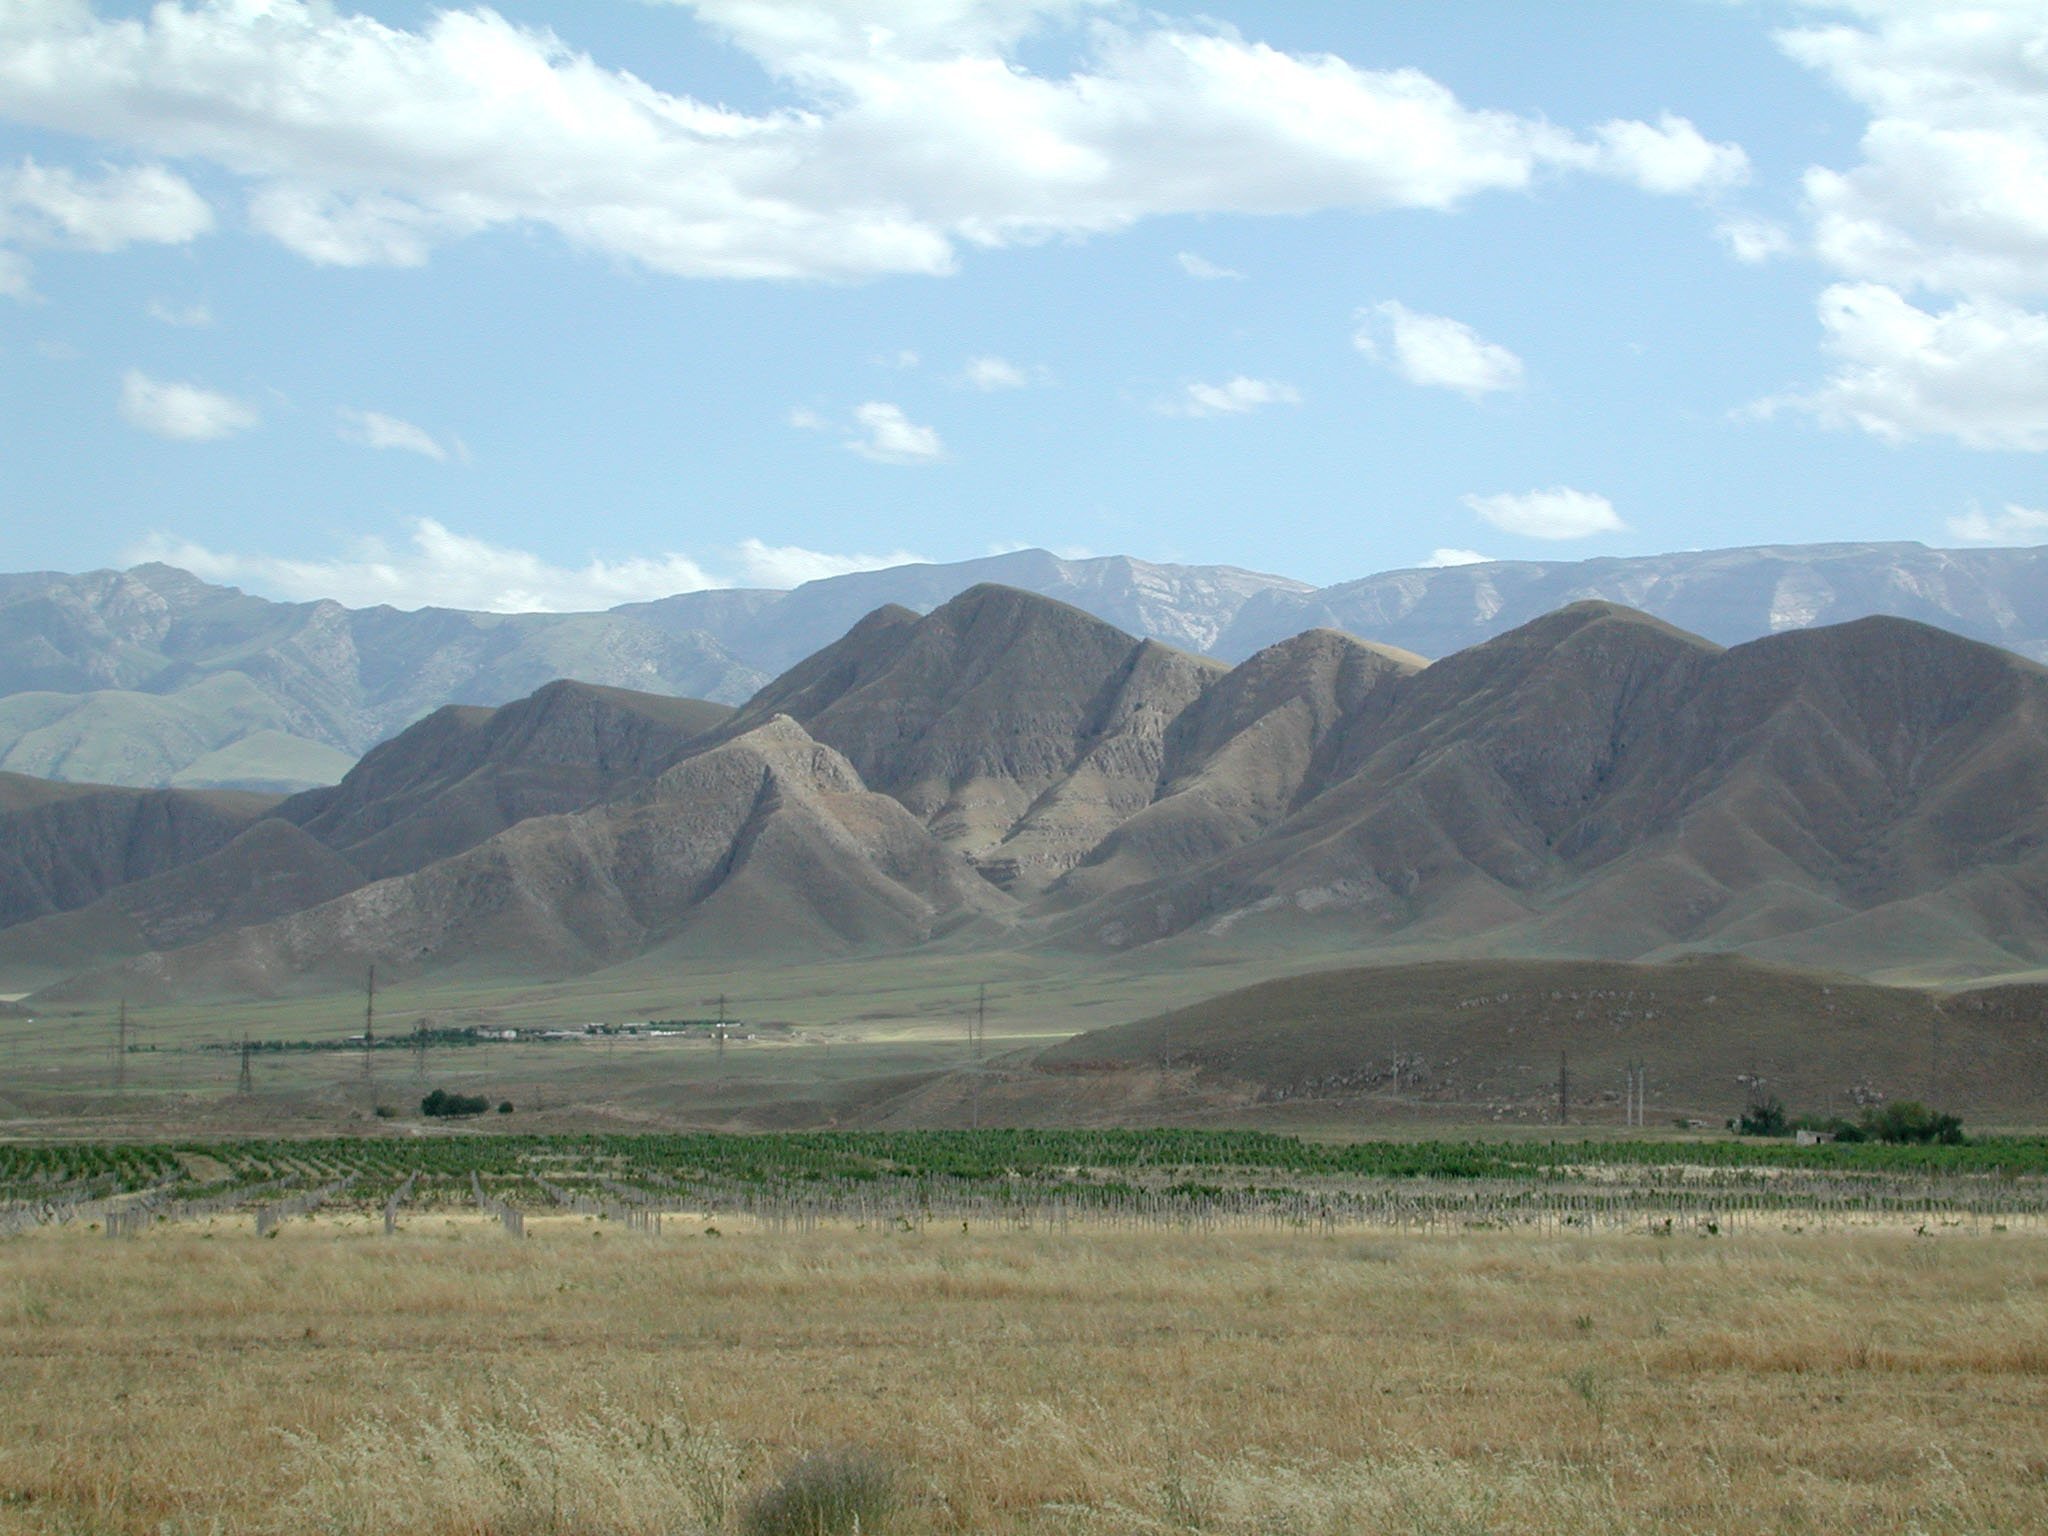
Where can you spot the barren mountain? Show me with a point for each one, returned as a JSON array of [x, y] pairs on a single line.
[[1018, 729], [152, 676], [1597, 783], [767, 842], [463, 774], [65, 845], [1873, 796]]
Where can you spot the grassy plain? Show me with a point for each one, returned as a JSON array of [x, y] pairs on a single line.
[[585, 1380]]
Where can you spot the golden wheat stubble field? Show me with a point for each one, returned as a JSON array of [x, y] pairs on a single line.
[[586, 1380]]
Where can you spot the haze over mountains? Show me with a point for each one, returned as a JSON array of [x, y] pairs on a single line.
[[1009, 770], [152, 677]]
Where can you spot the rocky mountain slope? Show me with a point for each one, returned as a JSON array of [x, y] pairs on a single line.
[[153, 677], [1010, 770]]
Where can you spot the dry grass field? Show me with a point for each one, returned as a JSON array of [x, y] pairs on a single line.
[[586, 1381]]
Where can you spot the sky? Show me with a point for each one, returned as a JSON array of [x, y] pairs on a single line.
[[560, 306]]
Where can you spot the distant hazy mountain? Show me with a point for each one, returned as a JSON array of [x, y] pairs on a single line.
[[168, 668], [153, 677], [1868, 797], [1727, 595]]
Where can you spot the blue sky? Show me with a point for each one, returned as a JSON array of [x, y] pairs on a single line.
[[559, 306]]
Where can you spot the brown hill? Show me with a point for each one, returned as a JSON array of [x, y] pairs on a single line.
[[767, 842], [1484, 1038], [1870, 796], [1018, 729], [463, 774], [63, 846], [270, 869], [1239, 758]]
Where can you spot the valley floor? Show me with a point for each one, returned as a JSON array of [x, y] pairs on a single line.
[[590, 1380]]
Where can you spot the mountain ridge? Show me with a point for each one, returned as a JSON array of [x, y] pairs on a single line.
[[1010, 770], [175, 680]]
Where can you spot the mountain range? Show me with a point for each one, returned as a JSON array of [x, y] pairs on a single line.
[[1008, 770], [154, 678]]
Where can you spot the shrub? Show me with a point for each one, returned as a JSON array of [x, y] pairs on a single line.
[[442, 1102], [828, 1493], [505, 1107], [1766, 1117], [1907, 1120]]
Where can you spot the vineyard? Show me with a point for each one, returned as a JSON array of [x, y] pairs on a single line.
[[1026, 1178]]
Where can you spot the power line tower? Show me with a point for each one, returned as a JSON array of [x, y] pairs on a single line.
[[1564, 1090], [981, 1022], [718, 1032], [419, 1050], [245, 1080]]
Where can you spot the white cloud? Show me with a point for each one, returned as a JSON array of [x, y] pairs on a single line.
[[183, 412], [1558, 513], [1951, 192], [1439, 559], [994, 373], [804, 419], [442, 569], [1435, 351], [913, 129], [1950, 199], [2014, 525], [1202, 269], [1670, 157], [790, 565], [887, 436], [1976, 371], [1753, 240], [196, 316], [373, 429], [143, 204], [43, 205], [1234, 397]]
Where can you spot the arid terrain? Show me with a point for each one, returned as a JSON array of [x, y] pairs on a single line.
[[587, 1380]]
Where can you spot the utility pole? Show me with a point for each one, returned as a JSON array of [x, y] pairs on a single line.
[[245, 1080], [1564, 1090], [121, 1048], [981, 1022], [369, 1018], [720, 1032], [419, 1050]]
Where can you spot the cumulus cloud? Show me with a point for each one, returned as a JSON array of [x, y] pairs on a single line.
[[42, 205], [182, 412], [1940, 230], [791, 565], [1439, 559], [887, 436], [1558, 513], [2013, 525], [1202, 269], [1753, 240], [1976, 371], [1234, 397], [373, 429], [1669, 157], [993, 373], [441, 568], [1435, 351], [913, 129]]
